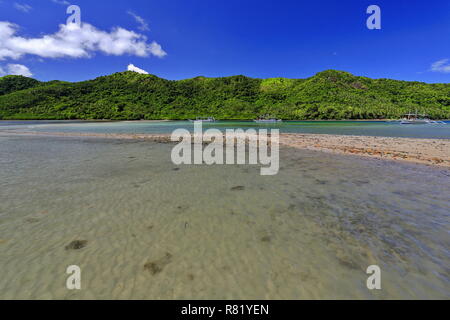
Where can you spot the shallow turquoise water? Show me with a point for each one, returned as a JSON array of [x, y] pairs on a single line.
[[364, 128], [216, 232]]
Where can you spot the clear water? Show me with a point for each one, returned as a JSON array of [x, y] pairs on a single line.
[[156, 231], [367, 128]]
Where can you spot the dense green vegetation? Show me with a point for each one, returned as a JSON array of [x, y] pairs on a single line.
[[328, 95], [10, 84]]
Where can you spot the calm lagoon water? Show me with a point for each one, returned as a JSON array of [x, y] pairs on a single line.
[[367, 128], [153, 230]]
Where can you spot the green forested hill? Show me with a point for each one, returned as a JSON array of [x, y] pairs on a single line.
[[328, 95], [10, 84]]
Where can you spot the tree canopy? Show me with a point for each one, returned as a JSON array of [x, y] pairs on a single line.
[[329, 94]]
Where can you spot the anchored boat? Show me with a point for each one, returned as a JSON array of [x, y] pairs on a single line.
[[416, 118], [267, 119], [209, 119]]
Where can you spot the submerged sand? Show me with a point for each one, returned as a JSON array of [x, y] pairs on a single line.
[[424, 151], [140, 227]]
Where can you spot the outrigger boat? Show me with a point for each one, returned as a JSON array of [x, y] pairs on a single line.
[[266, 119], [209, 119], [416, 118]]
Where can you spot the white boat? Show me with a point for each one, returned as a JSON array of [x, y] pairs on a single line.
[[416, 118], [414, 121], [209, 119], [268, 121]]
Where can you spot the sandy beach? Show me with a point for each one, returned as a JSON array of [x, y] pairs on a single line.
[[434, 152], [425, 151]]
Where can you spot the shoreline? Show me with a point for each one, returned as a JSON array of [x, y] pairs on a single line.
[[435, 152], [225, 120]]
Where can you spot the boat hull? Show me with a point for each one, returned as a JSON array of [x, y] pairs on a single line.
[[268, 121], [414, 122]]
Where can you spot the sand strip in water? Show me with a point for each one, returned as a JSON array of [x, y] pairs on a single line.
[[425, 151]]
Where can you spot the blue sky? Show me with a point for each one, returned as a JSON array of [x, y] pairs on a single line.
[[263, 39]]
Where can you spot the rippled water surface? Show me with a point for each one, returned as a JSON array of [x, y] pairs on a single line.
[[367, 128], [148, 229]]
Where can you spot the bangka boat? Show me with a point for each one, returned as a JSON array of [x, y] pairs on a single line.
[[416, 118], [209, 119], [414, 121], [266, 119]]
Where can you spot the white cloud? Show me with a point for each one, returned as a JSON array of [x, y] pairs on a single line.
[[143, 25], [22, 7], [441, 66], [132, 67], [156, 50], [62, 2], [16, 69], [73, 41], [19, 70]]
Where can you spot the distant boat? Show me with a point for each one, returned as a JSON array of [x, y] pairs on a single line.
[[266, 119], [209, 119], [416, 118]]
